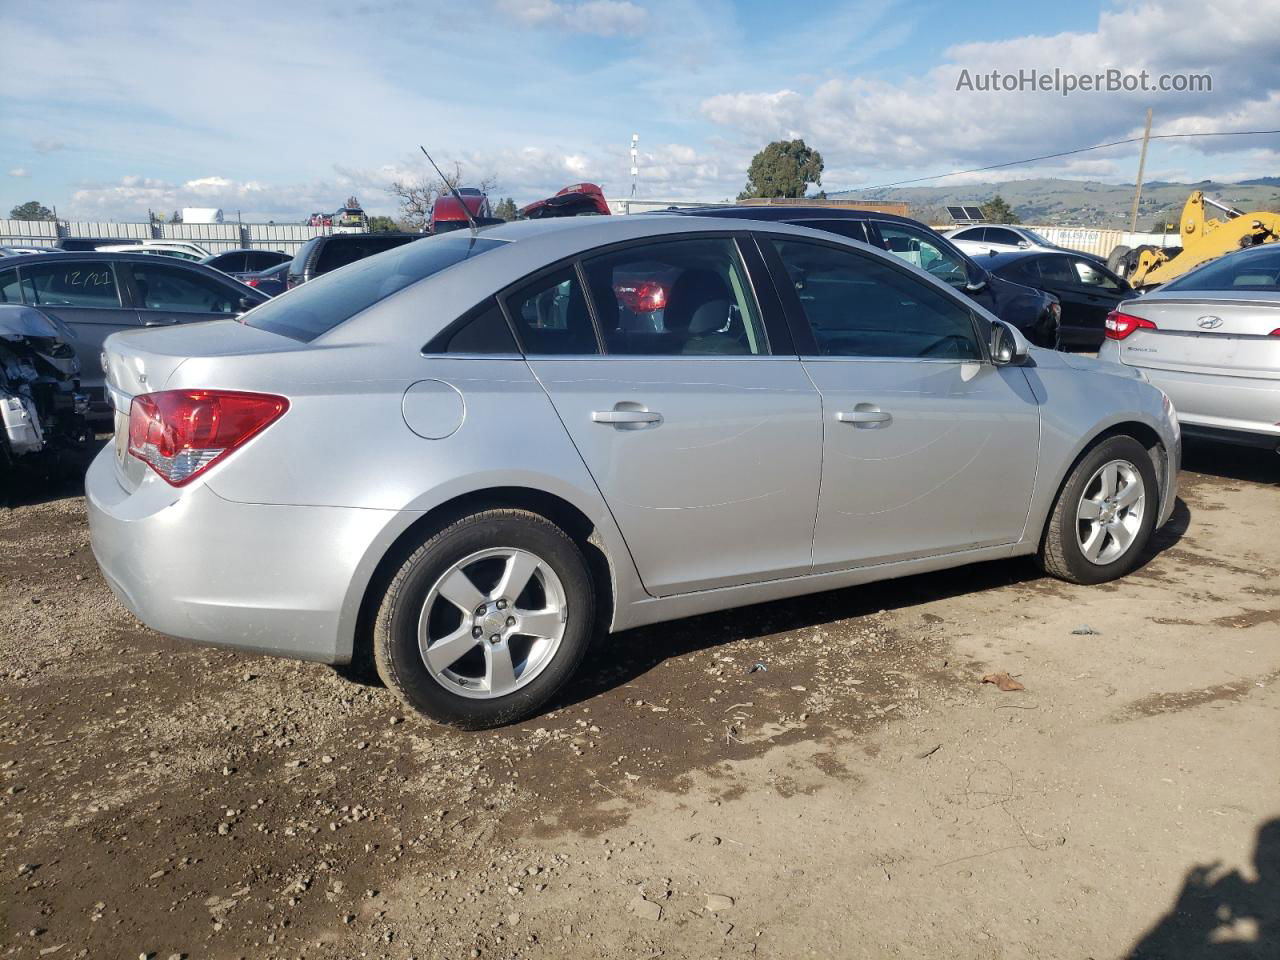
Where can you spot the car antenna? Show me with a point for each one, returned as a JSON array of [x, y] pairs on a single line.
[[452, 189]]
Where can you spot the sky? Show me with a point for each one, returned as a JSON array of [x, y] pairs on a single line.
[[109, 108]]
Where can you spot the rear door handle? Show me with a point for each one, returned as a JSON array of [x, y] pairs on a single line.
[[627, 416], [159, 321], [861, 416]]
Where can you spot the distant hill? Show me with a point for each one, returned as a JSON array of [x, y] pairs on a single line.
[[1087, 203]]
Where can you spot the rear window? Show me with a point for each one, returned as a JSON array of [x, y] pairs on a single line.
[[321, 304], [1247, 270]]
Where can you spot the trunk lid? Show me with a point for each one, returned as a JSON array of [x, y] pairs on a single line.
[[1225, 336], [143, 361]]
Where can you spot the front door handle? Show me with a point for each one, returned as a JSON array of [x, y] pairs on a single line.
[[159, 321], [627, 416], [863, 414]]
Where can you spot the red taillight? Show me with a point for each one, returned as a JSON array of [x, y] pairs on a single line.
[[643, 297], [251, 281], [1274, 333], [1120, 325], [181, 433]]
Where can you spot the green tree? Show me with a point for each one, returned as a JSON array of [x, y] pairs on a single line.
[[506, 209], [31, 210], [381, 224], [785, 168], [997, 210]]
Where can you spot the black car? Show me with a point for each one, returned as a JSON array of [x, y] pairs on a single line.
[[272, 281], [322, 254], [246, 261], [1088, 290], [97, 294], [1030, 309]]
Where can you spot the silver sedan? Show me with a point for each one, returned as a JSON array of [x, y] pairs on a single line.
[[1211, 340], [461, 459]]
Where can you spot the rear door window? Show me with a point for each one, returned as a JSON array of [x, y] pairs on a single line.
[[79, 283], [686, 297], [1001, 235], [551, 316], [260, 260], [174, 290], [10, 292], [1056, 270]]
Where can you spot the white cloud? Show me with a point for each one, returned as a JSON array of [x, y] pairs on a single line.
[[19, 172], [602, 17], [923, 122]]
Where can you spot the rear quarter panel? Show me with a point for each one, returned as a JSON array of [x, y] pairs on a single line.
[[345, 441]]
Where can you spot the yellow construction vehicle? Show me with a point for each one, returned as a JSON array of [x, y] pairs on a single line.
[[1204, 238]]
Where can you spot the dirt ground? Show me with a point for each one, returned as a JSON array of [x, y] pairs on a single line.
[[822, 777]]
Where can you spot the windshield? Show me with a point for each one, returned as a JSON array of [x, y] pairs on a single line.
[[319, 305], [1036, 237], [1247, 270]]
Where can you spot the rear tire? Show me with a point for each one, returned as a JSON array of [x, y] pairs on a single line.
[[486, 620], [1104, 515], [1115, 262]]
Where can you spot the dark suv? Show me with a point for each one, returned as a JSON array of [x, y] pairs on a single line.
[[1034, 312], [97, 294], [322, 254]]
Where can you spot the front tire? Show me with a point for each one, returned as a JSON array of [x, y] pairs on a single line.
[[1104, 515], [486, 620]]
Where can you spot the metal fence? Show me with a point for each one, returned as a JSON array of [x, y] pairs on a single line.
[[288, 237], [214, 237]]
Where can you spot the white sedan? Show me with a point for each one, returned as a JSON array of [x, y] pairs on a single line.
[[999, 237]]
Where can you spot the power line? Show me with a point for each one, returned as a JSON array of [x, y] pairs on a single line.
[[1069, 153]]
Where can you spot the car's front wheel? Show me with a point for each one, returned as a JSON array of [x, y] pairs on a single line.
[[486, 620], [1104, 515]]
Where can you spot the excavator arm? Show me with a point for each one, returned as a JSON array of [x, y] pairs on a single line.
[[1204, 237]]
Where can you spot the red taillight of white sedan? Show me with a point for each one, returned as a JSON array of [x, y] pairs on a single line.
[[1119, 325], [182, 433]]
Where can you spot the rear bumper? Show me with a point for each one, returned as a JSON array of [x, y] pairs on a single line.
[[193, 565], [1238, 409]]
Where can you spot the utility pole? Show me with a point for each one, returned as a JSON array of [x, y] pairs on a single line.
[[1142, 163], [635, 162]]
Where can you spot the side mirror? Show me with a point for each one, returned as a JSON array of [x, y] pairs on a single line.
[[1024, 245], [1008, 347], [246, 304], [977, 280]]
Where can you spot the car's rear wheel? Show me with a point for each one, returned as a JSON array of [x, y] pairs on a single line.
[[1104, 515], [486, 620]]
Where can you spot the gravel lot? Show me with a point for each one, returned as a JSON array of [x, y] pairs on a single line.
[[861, 794]]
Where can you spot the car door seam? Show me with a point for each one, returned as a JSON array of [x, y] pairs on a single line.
[[587, 467]]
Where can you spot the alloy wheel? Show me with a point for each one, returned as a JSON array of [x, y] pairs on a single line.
[[492, 622], [1110, 512]]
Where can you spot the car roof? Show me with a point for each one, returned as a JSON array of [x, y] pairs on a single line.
[[145, 258], [787, 213], [367, 234]]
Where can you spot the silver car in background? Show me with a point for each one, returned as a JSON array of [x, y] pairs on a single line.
[[464, 457], [1211, 340]]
